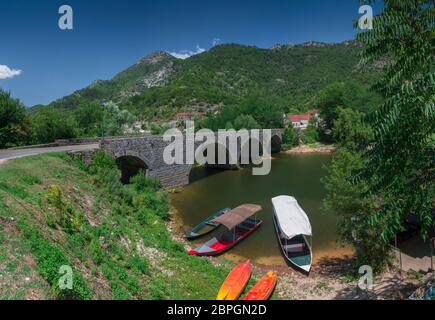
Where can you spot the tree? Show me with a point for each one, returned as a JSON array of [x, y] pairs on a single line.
[[399, 166], [245, 122], [348, 201], [14, 127], [89, 117], [374, 182], [290, 137], [114, 120], [311, 133], [50, 123], [329, 100], [350, 130], [350, 94]]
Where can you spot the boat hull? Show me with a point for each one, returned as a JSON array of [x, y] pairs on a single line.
[[263, 289], [198, 231], [235, 282], [301, 263], [226, 240]]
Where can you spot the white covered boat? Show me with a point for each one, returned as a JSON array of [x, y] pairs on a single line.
[[293, 230]]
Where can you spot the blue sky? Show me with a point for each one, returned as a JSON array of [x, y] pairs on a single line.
[[41, 62]]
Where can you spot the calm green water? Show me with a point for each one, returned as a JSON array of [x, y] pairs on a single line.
[[296, 175]]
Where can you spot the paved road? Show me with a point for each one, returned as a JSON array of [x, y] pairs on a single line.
[[19, 153]]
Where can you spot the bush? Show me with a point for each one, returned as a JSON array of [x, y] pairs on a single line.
[[290, 137], [311, 133], [49, 124], [14, 126], [95, 251], [142, 182]]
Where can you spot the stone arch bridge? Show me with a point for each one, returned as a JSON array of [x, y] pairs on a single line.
[[146, 153]]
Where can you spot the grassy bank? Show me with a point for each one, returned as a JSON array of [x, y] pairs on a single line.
[[56, 212]]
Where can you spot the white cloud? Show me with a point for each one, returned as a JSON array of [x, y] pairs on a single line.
[[184, 54], [216, 41], [6, 72]]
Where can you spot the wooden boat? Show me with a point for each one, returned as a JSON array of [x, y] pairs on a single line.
[[235, 282], [206, 226], [293, 229], [263, 289], [239, 225]]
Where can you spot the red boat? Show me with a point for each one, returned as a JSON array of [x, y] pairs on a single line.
[[239, 225]]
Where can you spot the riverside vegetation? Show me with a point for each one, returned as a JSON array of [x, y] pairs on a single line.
[[56, 211], [383, 169]]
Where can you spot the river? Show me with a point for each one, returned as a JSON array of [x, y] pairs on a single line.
[[296, 175]]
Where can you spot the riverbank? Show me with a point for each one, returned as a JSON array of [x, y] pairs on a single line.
[[56, 212], [331, 278], [314, 148]]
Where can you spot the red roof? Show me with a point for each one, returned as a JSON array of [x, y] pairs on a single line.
[[299, 117], [303, 116], [190, 114]]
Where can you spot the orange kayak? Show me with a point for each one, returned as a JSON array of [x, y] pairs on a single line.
[[235, 282], [263, 288]]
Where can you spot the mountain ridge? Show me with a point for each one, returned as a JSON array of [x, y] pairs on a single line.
[[159, 84]]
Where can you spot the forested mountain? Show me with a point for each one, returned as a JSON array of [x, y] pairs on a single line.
[[287, 76]]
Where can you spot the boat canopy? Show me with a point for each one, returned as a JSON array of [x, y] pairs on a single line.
[[292, 219], [237, 215]]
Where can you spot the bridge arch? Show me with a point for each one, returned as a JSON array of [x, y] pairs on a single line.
[[131, 163], [276, 143]]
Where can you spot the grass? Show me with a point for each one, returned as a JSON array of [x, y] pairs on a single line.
[[113, 236]]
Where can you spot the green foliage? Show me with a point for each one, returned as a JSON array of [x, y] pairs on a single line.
[[311, 133], [384, 171], [30, 179], [89, 116], [50, 259], [348, 202], [49, 124], [290, 137], [399, 166], [122, 241], [69, 219], [253, 113], [350, 130], [114, 119], [155, 128], [14, 127], [286, 77], [95, 251], [139, 265], [337, 95], [245, 122], [142, 182]]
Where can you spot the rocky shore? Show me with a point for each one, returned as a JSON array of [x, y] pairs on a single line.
[[303, 148]]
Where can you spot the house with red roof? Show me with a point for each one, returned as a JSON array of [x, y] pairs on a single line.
[[300, 121]]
